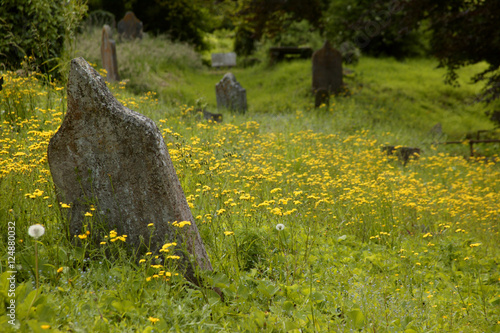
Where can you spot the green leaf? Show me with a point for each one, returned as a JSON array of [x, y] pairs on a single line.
[[317, 297], [290, 326], [357, 318], [123, 306], [288, 306]]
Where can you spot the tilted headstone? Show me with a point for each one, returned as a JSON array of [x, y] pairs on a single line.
[[130, 27], [224, 59], [230, 95], [109, 156], [327, 69], [108, 54]]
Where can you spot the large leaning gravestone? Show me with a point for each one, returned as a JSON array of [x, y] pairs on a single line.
[[130, 27], [114, 158], [108, 54], [230, 94], [327, 69]]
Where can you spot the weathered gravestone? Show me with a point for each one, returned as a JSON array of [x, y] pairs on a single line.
[[230, 95], [224, 59], [327, 69], [108, 54], [114, 158], [130, 27]]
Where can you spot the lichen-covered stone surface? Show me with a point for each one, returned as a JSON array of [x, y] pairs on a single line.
[[230, 94], [109, 156], [327, 69]]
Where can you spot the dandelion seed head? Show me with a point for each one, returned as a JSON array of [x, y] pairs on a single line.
[[280, 226], [36, 231]]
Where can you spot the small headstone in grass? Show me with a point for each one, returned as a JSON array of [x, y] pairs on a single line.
[[215, 117], [224, 59], [436, 131], [109, 156], [322, 96], [108, 54], [403, 153], [130, 27], [327, 69], [230, 95]]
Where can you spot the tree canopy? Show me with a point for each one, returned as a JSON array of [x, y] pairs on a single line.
[[457, 32], [464, 32]]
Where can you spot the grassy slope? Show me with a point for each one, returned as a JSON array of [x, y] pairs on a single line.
[[405, 98]]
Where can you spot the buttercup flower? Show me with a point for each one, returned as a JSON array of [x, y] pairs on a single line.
[[36, 231], [280, 226]]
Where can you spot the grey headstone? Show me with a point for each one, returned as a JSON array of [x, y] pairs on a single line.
[[130, 27], [108, 54], [116, 159], [327, 69], [224, 59], [230, 95]]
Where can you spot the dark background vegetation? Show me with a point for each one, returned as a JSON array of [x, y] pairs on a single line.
[[457, 32]]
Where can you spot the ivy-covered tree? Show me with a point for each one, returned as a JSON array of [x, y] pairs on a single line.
[[37, 29]]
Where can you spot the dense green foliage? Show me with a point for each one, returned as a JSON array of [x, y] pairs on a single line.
[[372, 27], [463, 33], [458, 33], [182, 20], [37, 29]]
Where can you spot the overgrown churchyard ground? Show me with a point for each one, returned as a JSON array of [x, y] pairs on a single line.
[[308, 225]]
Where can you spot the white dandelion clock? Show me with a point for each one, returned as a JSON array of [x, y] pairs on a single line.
[[280, 226], [36, 231]]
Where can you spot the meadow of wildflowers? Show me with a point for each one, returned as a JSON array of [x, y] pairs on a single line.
[[307, 230]]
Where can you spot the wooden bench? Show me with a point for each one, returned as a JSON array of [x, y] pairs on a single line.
[[281, 53]]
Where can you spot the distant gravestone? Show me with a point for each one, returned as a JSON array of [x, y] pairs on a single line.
[[327, 69], [224, 59], [215, 117], [230, 95], [108, 54], [116, 159], [130, 27]]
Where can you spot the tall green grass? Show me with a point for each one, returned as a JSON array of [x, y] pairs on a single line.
[[368, 244]]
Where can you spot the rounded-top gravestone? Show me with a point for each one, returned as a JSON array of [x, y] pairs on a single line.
[[130, 27], [327, 69]]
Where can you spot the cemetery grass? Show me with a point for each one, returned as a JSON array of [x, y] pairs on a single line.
[[309, 226]]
